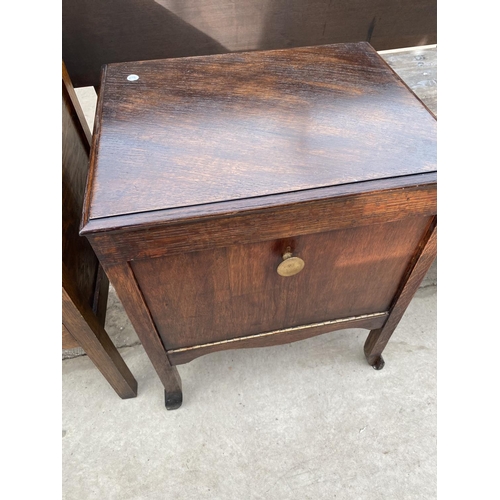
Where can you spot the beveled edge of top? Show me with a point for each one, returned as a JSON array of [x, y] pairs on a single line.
[[246, 206]]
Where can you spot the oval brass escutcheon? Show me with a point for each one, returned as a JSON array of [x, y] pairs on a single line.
[[290, 266]]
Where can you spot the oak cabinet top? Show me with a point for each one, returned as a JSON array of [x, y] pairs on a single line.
[[197, 131]]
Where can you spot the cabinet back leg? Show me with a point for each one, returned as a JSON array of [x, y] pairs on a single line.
[[377, 339]]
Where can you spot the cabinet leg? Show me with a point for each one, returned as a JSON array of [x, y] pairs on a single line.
[[123, 279], [173, 400], [374, 346], [377, 339], [173, 389], [379, 364]]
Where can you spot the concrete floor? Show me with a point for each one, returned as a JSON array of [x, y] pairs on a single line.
[[309, 420]]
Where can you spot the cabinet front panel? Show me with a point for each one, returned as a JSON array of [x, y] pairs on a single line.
[[223, 293]]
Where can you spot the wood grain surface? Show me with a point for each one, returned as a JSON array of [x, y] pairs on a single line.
[[416, 66], [327, 209], [237, 126], [201, 297]]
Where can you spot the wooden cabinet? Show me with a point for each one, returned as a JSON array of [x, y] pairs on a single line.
[[252, 199]]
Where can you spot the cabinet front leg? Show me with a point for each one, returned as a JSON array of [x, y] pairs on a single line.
[[173, 400], [378, 339], [173, 390], [127, 289]]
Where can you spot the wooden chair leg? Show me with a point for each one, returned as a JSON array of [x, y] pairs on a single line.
[[84, 326], [378, 339]]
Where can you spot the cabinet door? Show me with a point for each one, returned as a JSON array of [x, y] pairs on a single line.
[[223, 293]]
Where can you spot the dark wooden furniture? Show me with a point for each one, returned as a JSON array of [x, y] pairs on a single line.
[[254, 199], [84, 284], [107, 31]]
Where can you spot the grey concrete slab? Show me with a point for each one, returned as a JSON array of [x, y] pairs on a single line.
[[417, 67], [309, 420]]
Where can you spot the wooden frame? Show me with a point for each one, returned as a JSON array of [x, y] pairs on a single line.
[[84, 284]]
